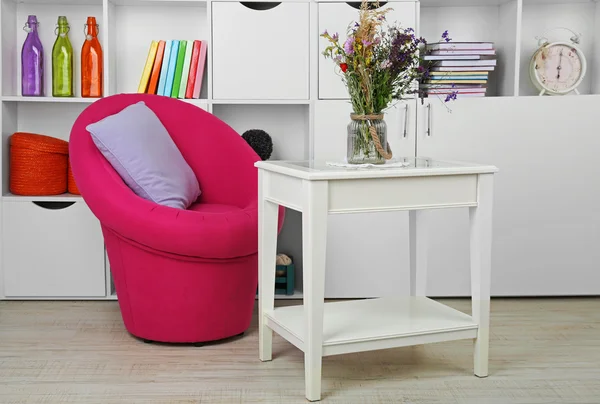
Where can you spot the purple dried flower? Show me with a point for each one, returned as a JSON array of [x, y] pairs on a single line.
[[367, 43], [451, 96], [325, 33], [348, 45], [335, 37], [446, 36]]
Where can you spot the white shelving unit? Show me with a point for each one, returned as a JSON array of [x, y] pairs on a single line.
[[264, 70]]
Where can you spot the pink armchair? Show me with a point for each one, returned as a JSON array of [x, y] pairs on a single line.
[[186, 276]]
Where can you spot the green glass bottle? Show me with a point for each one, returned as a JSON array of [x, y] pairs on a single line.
[[62, 61]]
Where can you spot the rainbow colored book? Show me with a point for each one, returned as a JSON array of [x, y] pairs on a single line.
[[158, 60], [189, 92], [148, 67], [165, 67], [171, 72], [200, 71], [178, 69], [185, 73]]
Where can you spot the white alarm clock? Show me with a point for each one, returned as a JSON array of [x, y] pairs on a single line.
[[558, 68]]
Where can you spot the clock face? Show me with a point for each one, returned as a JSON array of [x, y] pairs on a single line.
[[558, 68]]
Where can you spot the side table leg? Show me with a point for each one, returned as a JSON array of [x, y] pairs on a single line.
[[314, 234], [267, 251], [417, 228], [481, 253]]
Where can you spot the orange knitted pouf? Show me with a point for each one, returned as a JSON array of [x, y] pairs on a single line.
[[38, 164], [71, 186]]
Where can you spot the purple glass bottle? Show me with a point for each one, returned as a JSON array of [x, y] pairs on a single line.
[[32, 61]]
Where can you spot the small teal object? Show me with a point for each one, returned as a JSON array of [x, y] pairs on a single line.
[[285, 280], [284, 285]]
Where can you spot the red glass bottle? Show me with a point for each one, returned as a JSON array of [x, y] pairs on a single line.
[[91, 62]]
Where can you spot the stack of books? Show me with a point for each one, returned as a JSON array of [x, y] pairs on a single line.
[[459, 67], [174, 69]]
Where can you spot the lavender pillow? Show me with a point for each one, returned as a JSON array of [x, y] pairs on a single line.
[[140, 149]]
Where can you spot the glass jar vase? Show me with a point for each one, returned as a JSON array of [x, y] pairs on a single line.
[[362, 147]]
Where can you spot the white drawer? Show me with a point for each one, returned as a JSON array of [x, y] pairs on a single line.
[[260, 53], [51, 249], [336, 17]]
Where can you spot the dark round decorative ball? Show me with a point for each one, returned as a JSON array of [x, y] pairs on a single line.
[[260, 141]]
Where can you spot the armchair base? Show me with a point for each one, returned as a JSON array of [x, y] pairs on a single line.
[[181, 300]]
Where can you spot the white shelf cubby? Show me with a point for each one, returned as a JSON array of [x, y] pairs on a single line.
[[133, 24], [546, 18], [14, 16], [286, 124], [495, 21], [289, 129], [48, 118]]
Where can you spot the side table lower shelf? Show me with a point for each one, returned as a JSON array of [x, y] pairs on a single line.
[[365, 325]]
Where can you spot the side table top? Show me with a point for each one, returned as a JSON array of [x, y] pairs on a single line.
[[416, 167]]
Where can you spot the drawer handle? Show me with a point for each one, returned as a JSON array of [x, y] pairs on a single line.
[[372, 4], [429, 120], [405, 122], [260, 5], [53, 205]]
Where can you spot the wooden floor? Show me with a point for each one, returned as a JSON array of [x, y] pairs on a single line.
[[542, 351]]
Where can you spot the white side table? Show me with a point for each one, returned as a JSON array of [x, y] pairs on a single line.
[[320, 329]]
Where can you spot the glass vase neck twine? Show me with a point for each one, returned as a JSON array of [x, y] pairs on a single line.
[[373, 131]]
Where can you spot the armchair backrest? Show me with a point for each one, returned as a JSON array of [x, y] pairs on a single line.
[[222, 161]]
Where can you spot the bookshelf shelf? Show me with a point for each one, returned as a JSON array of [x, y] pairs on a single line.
[[198, 102], [58, 2], [67, 100], [260, 102], [54, 198], [158, 3], [462, 3], [549, 2]]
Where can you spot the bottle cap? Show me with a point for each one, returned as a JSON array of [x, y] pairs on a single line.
[[32, 19], [91, 21], [62, 20]]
